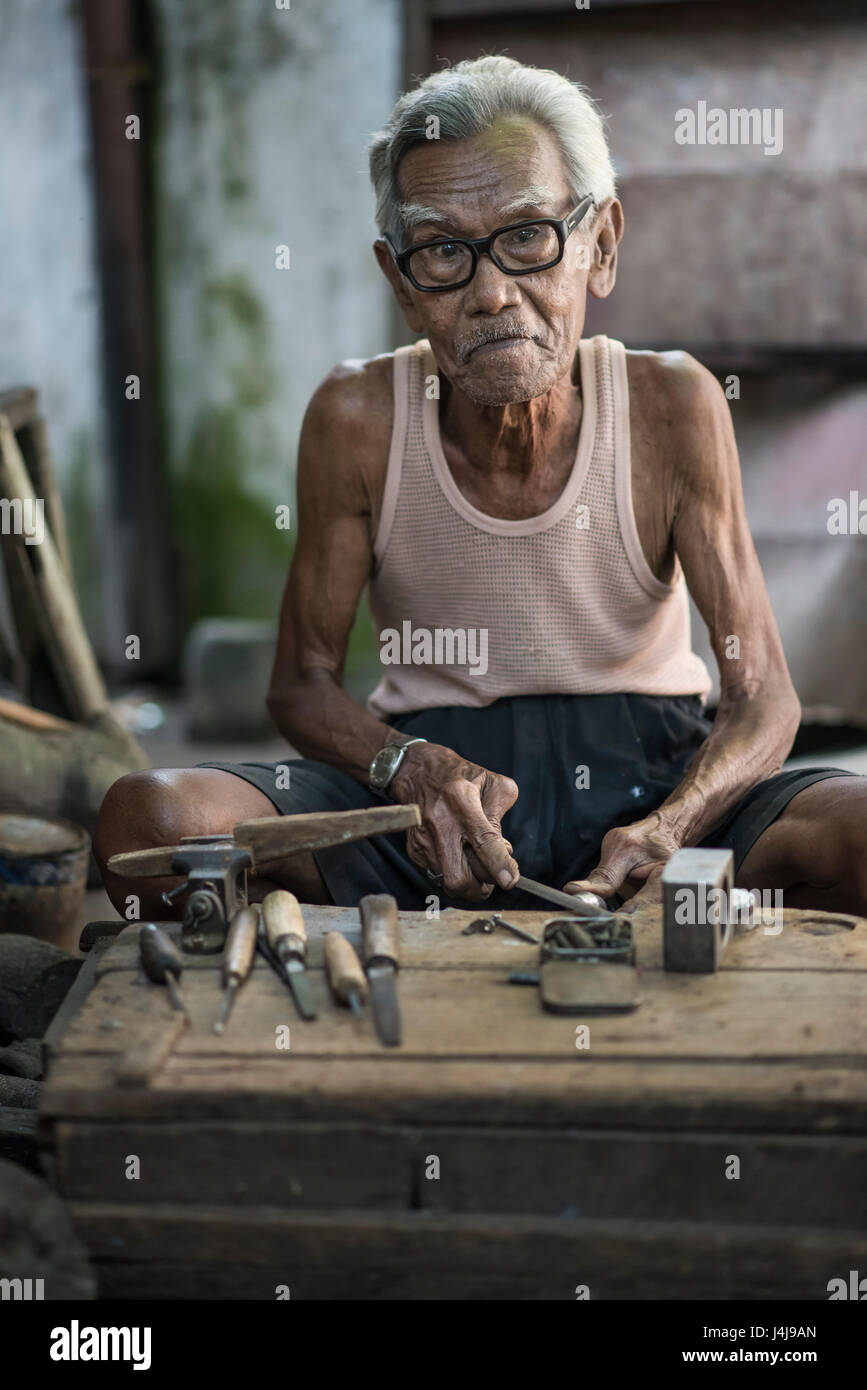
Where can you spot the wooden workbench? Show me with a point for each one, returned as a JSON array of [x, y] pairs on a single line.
[[313, 1168]]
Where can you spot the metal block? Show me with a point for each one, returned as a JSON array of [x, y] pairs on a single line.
[[697, 887]]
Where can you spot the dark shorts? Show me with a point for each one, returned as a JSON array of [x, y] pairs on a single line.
[[632, 750]]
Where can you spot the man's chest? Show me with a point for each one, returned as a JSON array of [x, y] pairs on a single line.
[[510, 497]]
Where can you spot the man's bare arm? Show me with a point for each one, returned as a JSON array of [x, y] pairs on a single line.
[[759, 710], [344, 442], [329, 569]]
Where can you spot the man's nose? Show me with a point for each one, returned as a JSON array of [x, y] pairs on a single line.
[[491, 289]]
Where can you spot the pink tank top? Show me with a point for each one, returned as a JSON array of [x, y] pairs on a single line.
[[468, 607]]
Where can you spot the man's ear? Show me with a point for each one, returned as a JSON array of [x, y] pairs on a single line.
[[398, 284], [607, 231]]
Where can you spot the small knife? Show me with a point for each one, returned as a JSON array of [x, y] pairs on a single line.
[[287, 938], [380, 945]]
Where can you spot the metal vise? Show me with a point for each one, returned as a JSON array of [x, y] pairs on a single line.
[[215, 880]]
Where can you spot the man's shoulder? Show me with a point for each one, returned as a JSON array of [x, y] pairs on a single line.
[[680, 419], [357, 392], [346, 434], [675, 379]]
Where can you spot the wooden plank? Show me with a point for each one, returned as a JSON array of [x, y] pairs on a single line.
[[75, 998], [794, 1096], [762, 1015], [809, 940], [40, 465], [67, 642], [784, 1179], [145, 1055], [319, 1165], [32, 718], [414, 1255]]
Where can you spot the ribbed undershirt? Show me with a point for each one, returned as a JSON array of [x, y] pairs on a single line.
[[566, 599]]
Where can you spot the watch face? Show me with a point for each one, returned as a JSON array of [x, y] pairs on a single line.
[[384, 764]]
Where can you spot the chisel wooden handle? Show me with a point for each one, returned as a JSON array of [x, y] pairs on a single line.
[[345, 974], [159, 954], [380, 928], [240, 944], [281, 913]]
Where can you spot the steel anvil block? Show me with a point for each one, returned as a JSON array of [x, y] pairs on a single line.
[[696, 895]]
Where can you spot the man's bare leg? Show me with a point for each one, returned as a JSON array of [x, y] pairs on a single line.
[[816, 849], [146, 809]]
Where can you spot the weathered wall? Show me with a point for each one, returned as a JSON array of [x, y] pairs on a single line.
[[723, 243], [263, 116], [49, 299]]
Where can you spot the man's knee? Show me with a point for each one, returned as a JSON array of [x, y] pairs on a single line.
[[138, 811]]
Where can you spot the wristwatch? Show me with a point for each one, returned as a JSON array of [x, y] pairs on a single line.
[[386, 763]]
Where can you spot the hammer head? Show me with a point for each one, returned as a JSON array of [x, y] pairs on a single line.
[[696, 896]]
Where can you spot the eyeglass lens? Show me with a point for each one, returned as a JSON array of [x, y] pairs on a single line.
[[520, 248]]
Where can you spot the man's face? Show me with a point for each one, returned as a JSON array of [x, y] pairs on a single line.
[[501, 338]]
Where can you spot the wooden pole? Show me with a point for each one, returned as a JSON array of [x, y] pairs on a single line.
[[50, 594]]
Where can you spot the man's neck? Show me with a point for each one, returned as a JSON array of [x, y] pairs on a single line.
[[519, 439]]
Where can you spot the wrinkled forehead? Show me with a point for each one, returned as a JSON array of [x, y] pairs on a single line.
[[485, 174]]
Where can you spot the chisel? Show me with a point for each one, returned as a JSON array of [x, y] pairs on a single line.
[[287, 938], [344, 971], [237, 957], [581, 904], [380, 940], [162, 962]]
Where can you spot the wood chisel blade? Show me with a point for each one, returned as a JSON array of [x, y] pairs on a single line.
[[286, 936], [382, 979], [380, 949], [299, 984]]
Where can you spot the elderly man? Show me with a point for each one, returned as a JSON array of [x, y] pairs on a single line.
[[527, 508]]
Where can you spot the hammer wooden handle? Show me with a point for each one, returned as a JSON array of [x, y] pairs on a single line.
[[345, 974], [380, 928], [281, 913]]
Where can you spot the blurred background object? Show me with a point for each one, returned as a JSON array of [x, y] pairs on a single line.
[[185, 253]]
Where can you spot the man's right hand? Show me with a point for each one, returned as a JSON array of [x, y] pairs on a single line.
[[461, 807]]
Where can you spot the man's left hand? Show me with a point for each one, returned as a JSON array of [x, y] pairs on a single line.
[[631, 863]]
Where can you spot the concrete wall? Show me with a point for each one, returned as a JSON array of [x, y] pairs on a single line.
[[263, 117], [723, 243], [49, 303]]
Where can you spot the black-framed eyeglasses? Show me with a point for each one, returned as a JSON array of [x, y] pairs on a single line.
[[522, 248]]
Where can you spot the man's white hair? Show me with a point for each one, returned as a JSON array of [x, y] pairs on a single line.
[[471, 97]]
